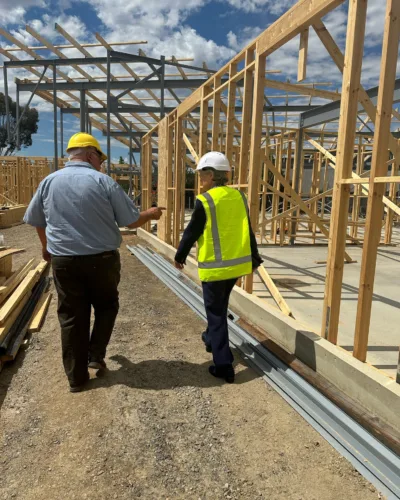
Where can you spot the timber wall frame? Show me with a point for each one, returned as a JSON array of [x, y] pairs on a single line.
[[269, 160], [20, 177]]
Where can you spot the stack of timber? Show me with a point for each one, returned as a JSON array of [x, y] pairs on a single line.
[[24, 301], [11, 215]]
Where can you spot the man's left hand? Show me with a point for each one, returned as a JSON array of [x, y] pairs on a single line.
[[178, 265]]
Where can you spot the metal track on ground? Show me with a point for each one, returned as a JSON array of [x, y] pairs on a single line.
[[369, 456]]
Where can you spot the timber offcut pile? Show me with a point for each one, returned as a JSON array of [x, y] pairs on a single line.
[[24, 301], [11, 216]]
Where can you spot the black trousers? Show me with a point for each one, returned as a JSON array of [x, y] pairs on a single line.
[[83, 282], [216, 299]]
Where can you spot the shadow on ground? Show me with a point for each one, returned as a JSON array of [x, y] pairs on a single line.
[[10, 370], [155, 374]]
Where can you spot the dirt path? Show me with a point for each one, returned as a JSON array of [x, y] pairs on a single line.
[[156, 426]]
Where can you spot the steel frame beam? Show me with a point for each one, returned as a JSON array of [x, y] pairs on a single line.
[[117, 85], [331, 111], [128, 108]]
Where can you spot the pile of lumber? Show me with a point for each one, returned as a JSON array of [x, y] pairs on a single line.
[[11, 216], [24, 301]]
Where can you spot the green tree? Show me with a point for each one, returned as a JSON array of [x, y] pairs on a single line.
[[121, 161], [28, 126]]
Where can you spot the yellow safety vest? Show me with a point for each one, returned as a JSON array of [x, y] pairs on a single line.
[[224, 248]]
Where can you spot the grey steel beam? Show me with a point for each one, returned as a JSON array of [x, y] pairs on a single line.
[[331, 111], [123, 133], [116, 57], [162, 93], [7, 103], [108, 89], [136, 108], [82, 111], [55, 108], [87, 61], [62, 133], [116, 85], [17, 119]]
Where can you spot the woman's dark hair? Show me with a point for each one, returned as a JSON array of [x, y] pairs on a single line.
[[220, 178]]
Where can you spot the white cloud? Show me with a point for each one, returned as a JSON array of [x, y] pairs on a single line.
[[275, 7], [162, 24], [10, 13], [239, 40]]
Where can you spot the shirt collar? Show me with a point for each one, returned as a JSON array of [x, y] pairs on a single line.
[[79, 163]]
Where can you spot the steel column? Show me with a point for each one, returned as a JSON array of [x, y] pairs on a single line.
[[83, 112], [55, 117], [7, 103], [162, 79], [108, 112], [62, 133], [17, 118]]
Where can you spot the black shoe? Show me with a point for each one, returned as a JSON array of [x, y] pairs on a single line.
[[204, 339], [80, 387], [225, 371], [97, 365]]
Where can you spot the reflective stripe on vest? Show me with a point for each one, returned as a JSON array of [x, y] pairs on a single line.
[[219, 268]]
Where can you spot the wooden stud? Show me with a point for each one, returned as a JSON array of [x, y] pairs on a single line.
[[273, 290], [303, 51], [178, 167], [378, 168], [246, 119], [255, 150], [347, 128]]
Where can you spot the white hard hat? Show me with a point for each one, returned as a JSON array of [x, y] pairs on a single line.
[[215, 160]]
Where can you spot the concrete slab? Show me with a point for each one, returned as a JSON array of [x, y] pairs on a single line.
[[302, 283]]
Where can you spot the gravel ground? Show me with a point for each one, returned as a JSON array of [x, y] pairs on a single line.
[[156, 425]]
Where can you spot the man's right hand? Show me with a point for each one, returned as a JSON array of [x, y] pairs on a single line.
[[156, 212], [46, 255]]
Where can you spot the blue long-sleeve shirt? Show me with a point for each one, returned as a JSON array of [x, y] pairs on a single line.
[[81, 210]]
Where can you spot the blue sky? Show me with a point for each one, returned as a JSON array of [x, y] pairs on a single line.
[[211, 31]]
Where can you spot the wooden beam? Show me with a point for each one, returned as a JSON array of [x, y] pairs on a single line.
[[293, 22], [246, 119], [24, 287], [13, 281], [301, 89], [162, 186], [178, 166], [302, 205], [230, 115], [338, 58], [355, 178], [273, 290], [378, 168], [255, 149], [345, 152], [215, 145], [303, 51], [39, 313], [190, 148]]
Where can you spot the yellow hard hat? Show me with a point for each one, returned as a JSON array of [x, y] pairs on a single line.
[[82, 140]]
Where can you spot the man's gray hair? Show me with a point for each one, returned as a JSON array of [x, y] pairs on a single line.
[[80, 151]]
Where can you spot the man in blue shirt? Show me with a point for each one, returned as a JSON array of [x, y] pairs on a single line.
[[76, 212]]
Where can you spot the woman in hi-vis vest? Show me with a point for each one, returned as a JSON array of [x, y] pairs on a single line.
[[227, 250]]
